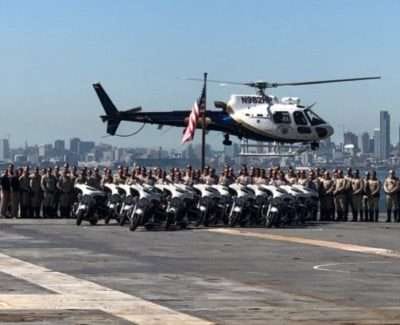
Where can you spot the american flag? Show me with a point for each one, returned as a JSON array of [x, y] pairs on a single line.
[[198, 107]]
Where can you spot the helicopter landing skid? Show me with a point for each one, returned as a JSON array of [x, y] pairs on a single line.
[[274, 149]]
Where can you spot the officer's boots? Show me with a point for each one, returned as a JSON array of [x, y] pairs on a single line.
[[361, 215], [389, 215], [355, 215], [371, 215], [376, 215], [366, 215], [396, 216]]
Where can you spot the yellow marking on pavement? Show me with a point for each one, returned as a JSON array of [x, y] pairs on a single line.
[[74, 293], [314, 242]]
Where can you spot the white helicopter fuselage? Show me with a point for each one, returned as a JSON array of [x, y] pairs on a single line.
[[283, 120]]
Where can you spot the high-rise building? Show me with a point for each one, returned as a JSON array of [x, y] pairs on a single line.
[[4, 149], [85, 147], [384, 121], [377, 143], [59, 147], [74, 145], [365, 143], [351, 138]]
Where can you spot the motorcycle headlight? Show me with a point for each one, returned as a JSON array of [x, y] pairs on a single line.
[[115, 198], [129, 200], [86, 199], [143, 202]]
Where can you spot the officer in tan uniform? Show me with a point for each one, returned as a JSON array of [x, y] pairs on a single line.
[[95, 179], [326, 189], [5, 194], [291, 178], [25, 197], [49, 187], [357, 188], [107, 177], [65, 185], [340, 196], [391, 187], [348, 204], [374, 187], [82, 177], [36, 190], [119, 178]]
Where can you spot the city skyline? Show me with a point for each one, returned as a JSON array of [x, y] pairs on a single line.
[[141, 54]]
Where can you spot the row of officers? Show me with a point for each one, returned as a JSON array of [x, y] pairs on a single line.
[[48, 192]]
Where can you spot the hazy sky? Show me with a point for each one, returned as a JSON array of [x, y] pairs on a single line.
[[52, 51]]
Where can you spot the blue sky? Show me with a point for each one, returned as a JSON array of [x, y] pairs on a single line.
[[52, 51]]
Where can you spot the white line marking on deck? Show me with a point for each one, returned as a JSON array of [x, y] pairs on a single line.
[[313, 242], [74, 293]]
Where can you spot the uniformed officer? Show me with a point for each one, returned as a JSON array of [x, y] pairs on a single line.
[[25, 196], [291, 177], [5, 194], [107, 177], [119, 178], [340, 196], [36, 190], [15, 190], [82, 177], [326, 189], [374, 186], [357, 188], [65, 185], [57, 174], [365, 198], [348, 204], [391, 187], [95, 179], [49, 187]]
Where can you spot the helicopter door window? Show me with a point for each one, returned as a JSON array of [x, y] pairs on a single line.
[[299, 118], [281, 117], [314, 118]]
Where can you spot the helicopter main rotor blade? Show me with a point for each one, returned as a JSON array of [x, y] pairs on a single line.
[[221, 82], [276, 84]]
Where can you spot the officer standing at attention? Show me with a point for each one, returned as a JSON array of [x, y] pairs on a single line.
[[65, 186], [49, 187], [374, 186], [120, 177], [82, 178], [357, 187], [5, 194], [340, 196], [95, 179], [25, 198], [326, 189], [391, 187], [36, 190], [15, 190], [348, 204]]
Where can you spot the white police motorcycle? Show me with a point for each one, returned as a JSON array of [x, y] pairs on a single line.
[[147, 211], [280, 206], [224, 203], [260, 205], [311, 200], [207, 204], [299, 202], [91, 205], [129, 200], [240, 209], [114, 202]]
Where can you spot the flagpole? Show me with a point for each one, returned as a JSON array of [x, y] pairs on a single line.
[[203, 137]]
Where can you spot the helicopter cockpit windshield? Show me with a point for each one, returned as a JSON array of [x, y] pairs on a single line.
[[314, 118]]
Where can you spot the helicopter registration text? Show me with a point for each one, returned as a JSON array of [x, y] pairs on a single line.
[[253, 100]]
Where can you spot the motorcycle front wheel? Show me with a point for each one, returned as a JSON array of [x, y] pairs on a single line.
[[79, 218], [134, 222]]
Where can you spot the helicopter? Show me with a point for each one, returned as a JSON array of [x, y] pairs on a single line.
[[260, 116]]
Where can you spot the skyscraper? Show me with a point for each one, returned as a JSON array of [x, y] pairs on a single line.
[[365, 143], [377, 143], [351, 138], [4, 149], [384, 119]]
